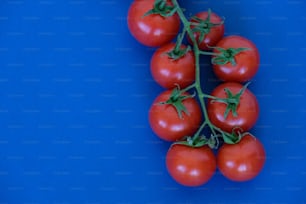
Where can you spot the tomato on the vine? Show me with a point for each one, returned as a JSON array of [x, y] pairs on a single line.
[[177, 116], [239, 60], [229, 115], [190, 166], [169, 72], [152, 29], [242, 161], [170, 124], [208, 29]]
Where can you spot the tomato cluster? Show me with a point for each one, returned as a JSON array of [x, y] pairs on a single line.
[[178, 116]]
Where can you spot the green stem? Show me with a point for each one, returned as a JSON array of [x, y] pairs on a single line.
[[179, 41], [209, 96], [197, 83], [197, 134], [209, 53], [188, 88], [162, 5]]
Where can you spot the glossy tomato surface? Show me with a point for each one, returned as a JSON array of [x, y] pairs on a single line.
[[165, 121], [151, 30], [247, 110], [190, 166], [169, 72], [246, 62], [242, 161]]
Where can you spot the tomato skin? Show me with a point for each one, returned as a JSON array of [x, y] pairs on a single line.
[[151, 30], [247, 62], [190, 166], [248, 109], [214, 36], [242, 161], [168, 72], [165, 121]]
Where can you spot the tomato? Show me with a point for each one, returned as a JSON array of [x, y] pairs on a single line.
[[166, 122], [247, 109], [213, 33], [153, 29], [190, 166], [242, 161], [246, 62], [169, 72]]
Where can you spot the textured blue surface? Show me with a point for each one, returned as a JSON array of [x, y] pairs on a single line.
[[75, 89]]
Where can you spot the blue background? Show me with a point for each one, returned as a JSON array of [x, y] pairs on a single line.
[[75, 89]]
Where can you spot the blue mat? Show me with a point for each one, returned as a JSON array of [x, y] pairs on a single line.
[[75, 89]]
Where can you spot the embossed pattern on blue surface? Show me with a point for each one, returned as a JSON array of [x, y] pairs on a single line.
[[75, 89]]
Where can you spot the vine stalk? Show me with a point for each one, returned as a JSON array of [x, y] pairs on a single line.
[[197, 83], [216, 132]]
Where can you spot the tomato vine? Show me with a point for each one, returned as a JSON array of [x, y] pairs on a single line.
[[180, 117], [216, 131]]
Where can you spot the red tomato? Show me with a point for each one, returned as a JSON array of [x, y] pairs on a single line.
[[246, 62], [213, 33], [168, 72], [242, 161], [247, 110], [165, 121], [154, 29], [190, 166]]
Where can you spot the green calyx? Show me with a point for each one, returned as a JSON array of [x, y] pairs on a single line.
[[192, 142], [227, 55], [213, 141], [231, 138], [234, 137], [176, 54], [162, 8], [232, 101], [203, 26], [200, 141], [176, 100]]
